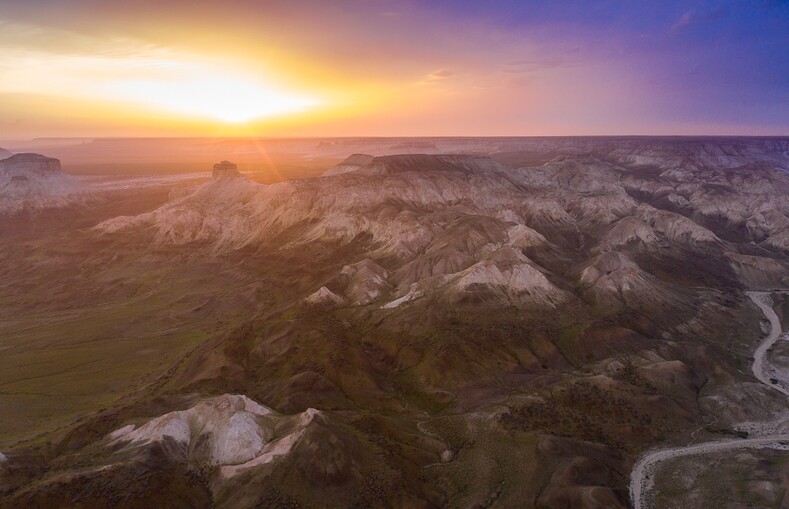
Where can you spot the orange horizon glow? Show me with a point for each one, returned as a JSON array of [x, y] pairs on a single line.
[[133, 87], [361, 68], [162, 87]]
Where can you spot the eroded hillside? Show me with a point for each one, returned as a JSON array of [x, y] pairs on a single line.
[[408, 330]]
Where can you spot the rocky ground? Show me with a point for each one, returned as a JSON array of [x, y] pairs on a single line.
[[408, 330]]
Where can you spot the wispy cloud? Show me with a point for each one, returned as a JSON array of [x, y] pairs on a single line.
[[693, 17], [567, 58], [441, 75], [434, 77], [34, 38]]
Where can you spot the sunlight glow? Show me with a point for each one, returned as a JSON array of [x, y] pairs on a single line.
[[132, 78], [228, 99]]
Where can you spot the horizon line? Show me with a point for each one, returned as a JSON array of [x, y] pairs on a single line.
[[374, 137]]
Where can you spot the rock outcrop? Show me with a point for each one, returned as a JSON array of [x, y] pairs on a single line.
[[33, 182], [507, 277], [324, 297], [199, 216], [231, 432], [225, 169], [216, 453], [613, 277]]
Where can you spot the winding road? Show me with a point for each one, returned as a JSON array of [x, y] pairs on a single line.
[[642, 476]]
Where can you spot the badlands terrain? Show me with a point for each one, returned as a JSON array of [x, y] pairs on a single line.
[[437, 322]]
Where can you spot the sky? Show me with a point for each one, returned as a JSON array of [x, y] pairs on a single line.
[[90, 68]]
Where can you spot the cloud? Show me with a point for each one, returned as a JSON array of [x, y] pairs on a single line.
[[442, 74], [693, 17], [15, 37], [435, 77], [567, 58], [685, 20]]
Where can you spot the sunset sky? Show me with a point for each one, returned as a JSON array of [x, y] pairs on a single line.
[[86, 68]]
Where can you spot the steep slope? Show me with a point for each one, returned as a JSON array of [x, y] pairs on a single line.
[[613, 280], [419, 331], [433, 217], [225, 451], [212, 212]]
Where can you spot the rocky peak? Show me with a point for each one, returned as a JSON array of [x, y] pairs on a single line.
[[225, 169], [324, 297]]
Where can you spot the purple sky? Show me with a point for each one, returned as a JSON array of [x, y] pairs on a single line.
[[444, 67]]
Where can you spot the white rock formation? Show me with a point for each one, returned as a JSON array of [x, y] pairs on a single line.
[[436, 216], [523, 237], [214, 211], [675, 227], [324, 297], [612, 278], [628, 231], [274, 449], [413, 293], [231, 432], [511, 275], [779, 240], [364, 281], [32, 182], [225, 169]]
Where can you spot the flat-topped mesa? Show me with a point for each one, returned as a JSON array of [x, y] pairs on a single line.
[[453, 163], [364, 164], [225, 169], [32, 182], [27, 164], [351, 163]]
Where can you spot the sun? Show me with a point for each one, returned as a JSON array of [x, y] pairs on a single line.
[[227, 99]]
